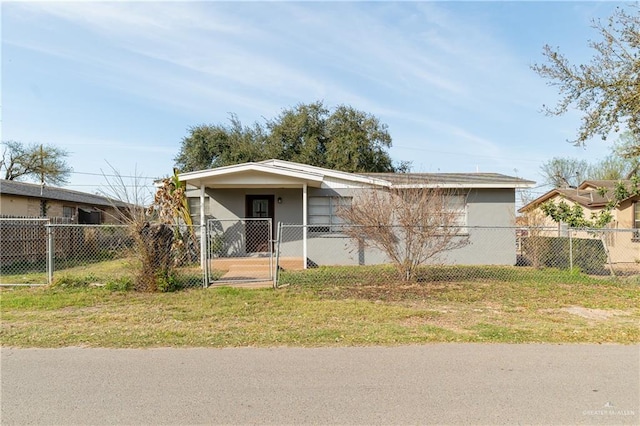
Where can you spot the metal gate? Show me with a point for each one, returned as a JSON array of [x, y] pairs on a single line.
[[239, 252]]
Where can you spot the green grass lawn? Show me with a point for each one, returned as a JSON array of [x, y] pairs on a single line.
[[335, 307], [98, 272]]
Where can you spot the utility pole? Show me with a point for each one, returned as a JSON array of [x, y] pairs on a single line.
[[41, 165]]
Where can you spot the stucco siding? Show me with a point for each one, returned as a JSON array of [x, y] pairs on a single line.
[[230, 203], [486, 247], [624, 215], [491, 236], [328, 249], [490, 216], [225, 204], [491, 207], [11, 205], [488, 208]]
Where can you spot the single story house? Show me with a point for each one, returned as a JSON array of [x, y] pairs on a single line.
[[21, 199], [622, 233], [293, 193]]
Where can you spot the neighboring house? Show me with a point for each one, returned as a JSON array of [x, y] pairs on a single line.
[[20, 199], [294, 193], [623, 233]]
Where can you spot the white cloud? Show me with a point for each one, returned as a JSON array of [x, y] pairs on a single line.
[[436, 72]]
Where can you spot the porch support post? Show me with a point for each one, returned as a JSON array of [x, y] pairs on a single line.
[[304, 225], [203, 230]]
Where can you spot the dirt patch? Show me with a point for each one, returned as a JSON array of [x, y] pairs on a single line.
[[594, 314], [392, 292]]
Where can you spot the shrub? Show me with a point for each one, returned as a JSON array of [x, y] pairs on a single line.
[[120, 284], [74, 281], [589, 255], [153, 248], [168, 283]]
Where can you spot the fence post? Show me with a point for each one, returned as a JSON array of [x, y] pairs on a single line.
[[277, 269], [570, 250], [271, 244], [204, 255], [50, 251]]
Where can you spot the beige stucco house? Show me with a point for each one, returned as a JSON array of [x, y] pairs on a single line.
[[21, 199], [622, 235]]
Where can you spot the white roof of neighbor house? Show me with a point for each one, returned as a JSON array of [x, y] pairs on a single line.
[[289, 174]]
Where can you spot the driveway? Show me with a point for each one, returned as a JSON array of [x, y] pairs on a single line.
[[429, 384]]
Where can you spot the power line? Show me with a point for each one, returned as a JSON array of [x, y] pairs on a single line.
[[113, 175], [148, 185]]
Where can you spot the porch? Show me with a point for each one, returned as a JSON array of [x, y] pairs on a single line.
[[249, 272]]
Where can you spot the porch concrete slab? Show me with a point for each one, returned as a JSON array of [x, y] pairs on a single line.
[[228, 263], [250, 272], [243, 284]]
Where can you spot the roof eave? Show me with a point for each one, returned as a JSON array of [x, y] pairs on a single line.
[[337, 174], [308, 173], [467, 185], [247, 167]]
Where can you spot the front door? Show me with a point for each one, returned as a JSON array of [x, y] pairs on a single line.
[[259, 231]]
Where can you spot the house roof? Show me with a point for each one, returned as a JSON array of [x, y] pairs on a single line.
[[32, 190], [609, 184], [270, 173], [314, 176], [453, 180], [362, 178], [586, 194]]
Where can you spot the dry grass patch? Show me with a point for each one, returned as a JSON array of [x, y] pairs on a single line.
[[333, 312]]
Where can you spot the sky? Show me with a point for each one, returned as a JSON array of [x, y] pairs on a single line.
[[119, 84]]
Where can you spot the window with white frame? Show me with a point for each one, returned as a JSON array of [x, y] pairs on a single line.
[[68, 211], [456, 205], [323, 213], [194, 209]]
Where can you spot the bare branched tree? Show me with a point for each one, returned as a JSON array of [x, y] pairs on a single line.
[[42, 163], [410, 225]]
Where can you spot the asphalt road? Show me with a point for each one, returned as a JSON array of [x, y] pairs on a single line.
[[430, 384]]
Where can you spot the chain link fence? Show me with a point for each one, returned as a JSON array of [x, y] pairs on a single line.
[[245, 252], [38, 252], [24, 251], [335, 254]]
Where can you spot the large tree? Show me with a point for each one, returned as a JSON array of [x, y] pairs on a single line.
[[612, 167], [343, 139], [357, 142], [562, 172], [215, 145], [300, 134], [627, 149], [40, 163], [607, 89], [623, 162]]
